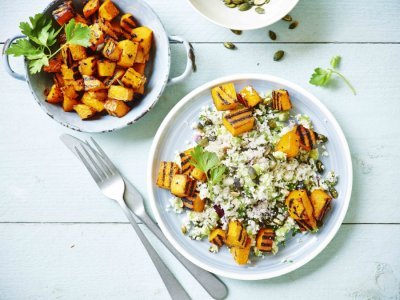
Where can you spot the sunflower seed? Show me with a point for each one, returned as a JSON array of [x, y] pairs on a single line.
[[278, 55], [244, 6], [238, 32], [287, 18], [229, 45], [260, 10], [293, 25], [272, 35]]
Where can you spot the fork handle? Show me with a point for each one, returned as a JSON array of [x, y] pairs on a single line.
[[175, 289]]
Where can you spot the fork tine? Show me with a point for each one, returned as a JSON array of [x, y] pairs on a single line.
[[100, 159], [87, 165], [104, 155], [101, 173]]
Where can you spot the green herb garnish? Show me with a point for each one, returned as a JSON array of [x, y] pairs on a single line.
[[208, 163], [41, 36], [321, 77]]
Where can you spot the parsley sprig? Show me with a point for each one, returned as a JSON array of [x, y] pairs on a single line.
[[207, 162], [321, 77], [41, 37]]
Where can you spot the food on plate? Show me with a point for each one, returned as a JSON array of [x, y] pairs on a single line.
[[255, 175], [98, 51]]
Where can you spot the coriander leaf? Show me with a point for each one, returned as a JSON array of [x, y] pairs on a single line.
[[203, 160], [77, 34], [22, 47], [320, 77], [35, 66], [335, 61], [216, 174]]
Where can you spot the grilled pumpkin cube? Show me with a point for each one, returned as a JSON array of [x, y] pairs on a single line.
[[139, 90], [96, 36], [79, 19], [186, 166], [194, 202], [77, 84], [84, 111], [118, 73], [111, 50], [100, 95], [69, 91], [128, 55], [239, 121], [198, 174], [66, 56], [183, 186], [120, 93], [108, 10], [308, 139], [108, 29], [250, 96], [224, 97], [133, 79], [320, 202], [289, 144], [93, 102], [87, 66], [55, 95], [140, 56], [300, 209], [236, 235], [116, 108], [71, 73], [105, 68], [241, 254], [281, 100], [144, 36], [59, 79], [140, 68], [265, 239], [165, 173], [69, 103], [127, 23], [91, 83], [217, 237], [91, 7], [63, 13], [54, 65], [78, 52]]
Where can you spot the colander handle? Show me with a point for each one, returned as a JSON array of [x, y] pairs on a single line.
[[6, 63], [189, 60]]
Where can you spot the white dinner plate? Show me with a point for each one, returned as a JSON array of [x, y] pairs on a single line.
[[171, 137]]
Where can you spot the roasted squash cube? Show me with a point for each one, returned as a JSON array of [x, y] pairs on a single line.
[[111, 50], [58, 78], [127, 23], [139, 90], [165, 173], [198, 174], [63, 13], [281, 100], [239, 121], [320, 201], [236, 235], [250, 96], [120, 93], [55, 95], [71, 73], [140, 56], [186, 165], [194, 202], [67, 56], [183, 186], [105, 68], [69, 103], [79, 19], [128, 55], [224, 97], [144, 36], [84, 111], [87, 66], [69, 91], [118, 73], [108, 29], [241, 254], [54, 65], [116, 108], [300, 209], [91, 7], [96, 36], [78, 52], [308, 139], [91, 83], [217, 237], [140, 68], [108, 10], [289, 144], [77, 84], [91, 101], [100, 95], [265, 239], [133, 79]]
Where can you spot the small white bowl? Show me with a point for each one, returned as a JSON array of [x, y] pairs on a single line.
[[232, 18]]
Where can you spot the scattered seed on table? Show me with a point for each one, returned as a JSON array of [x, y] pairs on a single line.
[[287, 18], [229, 45], [278, 55], [272, 35], [238, 32], [293, 25]]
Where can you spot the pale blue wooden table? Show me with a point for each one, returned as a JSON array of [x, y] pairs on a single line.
[[59, 239]]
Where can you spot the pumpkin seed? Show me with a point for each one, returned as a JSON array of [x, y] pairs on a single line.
[[227, 1], [272, 35], [238, 32], [271, 124], [229, 45], [252, 173], [244, 6], [320, 166], [259, 2], [287, 18], [232, 5], [203, 142], [333, 192], [184, 229], [237, 2], [322, 138], [293, 25], [278, 55], [260, 10]]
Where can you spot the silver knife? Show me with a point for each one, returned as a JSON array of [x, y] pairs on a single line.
[[134, 200]]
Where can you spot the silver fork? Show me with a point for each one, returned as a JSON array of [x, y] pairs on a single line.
[[112, 185]]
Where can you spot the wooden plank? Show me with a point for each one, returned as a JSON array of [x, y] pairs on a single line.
[[105, 261], [42, 182], [320, 21]]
